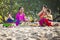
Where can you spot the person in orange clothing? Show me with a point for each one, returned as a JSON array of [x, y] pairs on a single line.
[[43, 17], [42, 13]]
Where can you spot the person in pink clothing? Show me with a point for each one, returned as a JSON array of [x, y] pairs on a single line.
[[20, 16]]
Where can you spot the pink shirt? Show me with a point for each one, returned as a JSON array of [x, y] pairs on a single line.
[[20, 16]]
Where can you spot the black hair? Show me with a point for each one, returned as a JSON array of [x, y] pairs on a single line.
[[45, 6], [20, 8], [48, 10]]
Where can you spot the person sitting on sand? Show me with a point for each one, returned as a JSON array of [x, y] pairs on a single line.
[[9, 19], [49, 17], [44, 21], [20, 16]]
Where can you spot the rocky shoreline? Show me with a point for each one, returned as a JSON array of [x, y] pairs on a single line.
[[30, 33]]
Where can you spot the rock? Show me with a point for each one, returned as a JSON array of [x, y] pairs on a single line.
[[1, 38], [31, 39], [9, 39], [1, 25], [56, 38], [4, 35], [19, 38], [29, 33]]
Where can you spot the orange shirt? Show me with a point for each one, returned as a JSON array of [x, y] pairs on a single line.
[[42, 15]]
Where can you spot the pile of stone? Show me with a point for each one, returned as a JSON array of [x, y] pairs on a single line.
[[30, 33]]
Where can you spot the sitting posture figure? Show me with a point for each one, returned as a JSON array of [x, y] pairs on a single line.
[[10, 18], [45, 17], [20, 16], [48, 18]]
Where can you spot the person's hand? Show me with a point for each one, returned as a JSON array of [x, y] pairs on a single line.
[[40, 12]]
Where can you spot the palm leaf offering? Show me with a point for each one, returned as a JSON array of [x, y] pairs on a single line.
[[7, 25]]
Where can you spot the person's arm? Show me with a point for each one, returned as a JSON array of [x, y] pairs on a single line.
[[11, 17], [40, 13], [17, 16], [26, 19], [50, 17]]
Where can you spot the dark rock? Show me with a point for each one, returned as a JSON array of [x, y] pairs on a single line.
[[56, 38], [37, 39], [9, 39], [4, 35], [34, 33], [26, 39], [1, 39], [48, 35]]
